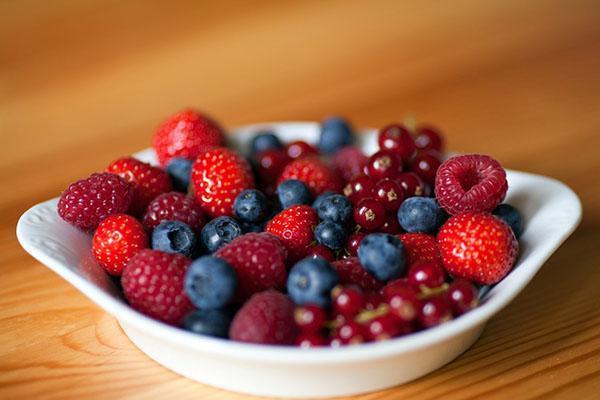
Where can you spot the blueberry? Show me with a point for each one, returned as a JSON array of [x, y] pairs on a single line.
[[421, 214], [210, 282], [320, 198], [335, 208], [250, 205], [331, 235], [512, 217], [175, 237], [264, 140], [310, 282], [335, 134], [292, 192], [219, 232], [179, 169], [208, 322], [382, 255], [249, 227]]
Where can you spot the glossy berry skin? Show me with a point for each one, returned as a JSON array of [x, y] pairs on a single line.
[[210, 283], [421, 214], [382, 255], [470, 183], [218, 177], [369, 213], [291, 192], [478, 247], [425, 164], [429, 138], [264, 140], [420, 248], [250, 206], [116, 240], [353, 243], [186, 134], [402, 300], [266, 318], [208, 322], [319, 250], [336, 133], [314, 173], [383, 164], [512, 217], [383, 327], [429, 274], [349, 162], [259, 263], [320, 198], [347, 300], [218, 233], [462, 297], [300, 149], [390, 225], [310, 281], [310, 318], [359, 187], [148, 181], [153, 285], [331, 235], [335, 208], [175, 237], [269, 164], [434, 311], [397, 139], [351, 272], [294, 227], [389, 193], [311, 339], [174, 206], [180, 170], [349, 332], [412, 184], [373, 299]]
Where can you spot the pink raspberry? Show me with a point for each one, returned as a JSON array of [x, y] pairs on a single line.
[[174, 206], [348, 162]]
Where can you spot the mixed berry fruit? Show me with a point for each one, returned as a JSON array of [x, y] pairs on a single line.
[[299, 244]]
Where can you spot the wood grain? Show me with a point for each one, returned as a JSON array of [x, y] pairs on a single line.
[[82, 83]]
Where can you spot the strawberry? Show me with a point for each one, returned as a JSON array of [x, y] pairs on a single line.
[[148, 181], [314, 173], [186, 134], [420, 248], [351, 272], [259, 262], [218, 176], [118, 238], [478, 247], [174, 206], [294, 226], [153, 284], [266, 318]]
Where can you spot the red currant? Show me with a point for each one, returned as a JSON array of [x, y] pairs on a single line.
[[321, 251], [434, 311], [349, 332], [299, 149], [310, 318], [398, 139], [462, 296], [389, 193], [429, 138], [383, 164], [353, 243], [359, 187], [391, 224], [402, 300], [310, 339], [269, 164], [373, 299], [429, 274], [382, 327], [411, 183], [369, 213], [426, 164], [347, 301]]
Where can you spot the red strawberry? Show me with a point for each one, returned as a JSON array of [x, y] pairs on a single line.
[[348, 162], [267, 318], [186, 134], [148, 181], [218, 176], [317, 175], [153, 284], [87, 202], [420, 248], [477, 246], [351, 272], [174, 206], [118, 238], [259, 262], [294, 226]]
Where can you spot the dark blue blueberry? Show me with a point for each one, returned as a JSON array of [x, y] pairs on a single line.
[[335, 208], [511, 216], [208, 322], [179, 169], [210, 282], [335, 134], [310, 282], [219, 232], [421, 214], [331, 235], [250, 205], [292, 192], [175, 237], [320, 198], [382, 255], [264, 141], [250, 227]]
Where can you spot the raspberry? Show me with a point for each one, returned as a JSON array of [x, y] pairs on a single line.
[[470, 183], [259, 262], [350, 272], [186, 134], [174, 206], [118, 238], [87, 202], [153, 284], [294, 226], [148, 181], [478, 247], [420, 248], [266, 318], [314, 173], [348, 162], [218, 176]]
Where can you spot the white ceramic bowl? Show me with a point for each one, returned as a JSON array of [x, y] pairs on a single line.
[[551, 210]]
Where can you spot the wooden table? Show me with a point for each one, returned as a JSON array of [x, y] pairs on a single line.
[[82, 83]]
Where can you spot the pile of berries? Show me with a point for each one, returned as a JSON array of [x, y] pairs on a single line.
[[293, 243]]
